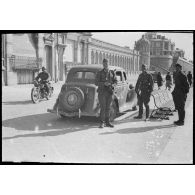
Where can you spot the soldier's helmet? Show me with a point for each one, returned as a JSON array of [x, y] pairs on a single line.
[[43, 68], [178, 65], [144, 66], [105, 60]]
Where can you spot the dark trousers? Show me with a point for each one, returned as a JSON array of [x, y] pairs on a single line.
[[190, 82], [181, 114], [179, 100], [105, 100], [46, 86], [144, 99]]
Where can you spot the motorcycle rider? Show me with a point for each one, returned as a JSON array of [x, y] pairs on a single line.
[[45, 78]]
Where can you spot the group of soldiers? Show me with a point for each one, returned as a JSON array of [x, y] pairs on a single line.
[[106, 81], [169, 80]]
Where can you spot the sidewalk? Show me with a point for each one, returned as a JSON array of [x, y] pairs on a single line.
[[22, 86], [180, 147]]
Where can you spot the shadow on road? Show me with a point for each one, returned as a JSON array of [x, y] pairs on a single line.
[[138, 129], [17, 102], [47, 121]]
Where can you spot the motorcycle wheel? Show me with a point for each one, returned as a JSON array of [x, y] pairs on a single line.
[[35, 95]]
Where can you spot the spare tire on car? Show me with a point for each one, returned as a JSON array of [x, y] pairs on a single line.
[[72, 99]]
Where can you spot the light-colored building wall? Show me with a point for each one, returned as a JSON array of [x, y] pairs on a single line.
[[57, 51]]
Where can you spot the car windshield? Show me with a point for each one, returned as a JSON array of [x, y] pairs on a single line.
[[82, 76]]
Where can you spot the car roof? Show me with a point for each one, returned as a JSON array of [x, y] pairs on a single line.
[[95, 67]]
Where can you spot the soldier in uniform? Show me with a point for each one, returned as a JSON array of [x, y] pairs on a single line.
[[180, 94], [106, 81], [44, 76], [144, 88]]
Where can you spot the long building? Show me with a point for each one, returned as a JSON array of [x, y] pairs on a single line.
[[159, 53], [24, 54]]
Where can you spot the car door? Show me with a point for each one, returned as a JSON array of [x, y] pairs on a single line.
[[125, 105], [121, 89], [131, 96], [118, 91]]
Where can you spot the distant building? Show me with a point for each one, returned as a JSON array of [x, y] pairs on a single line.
[[186, 65], [179, 52], [162, 53], [117, 56], [24, 54], [143, 46]]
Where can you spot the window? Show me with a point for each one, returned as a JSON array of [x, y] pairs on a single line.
[[119, 76], [84, 75], [78, 75], [157, 44], [166, 46], [89, 75]]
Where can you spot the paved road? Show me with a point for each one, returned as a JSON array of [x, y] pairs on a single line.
[[29, 133]]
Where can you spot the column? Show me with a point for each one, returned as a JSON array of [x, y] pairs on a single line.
[[41, 48], [11, 75], [75, 52]]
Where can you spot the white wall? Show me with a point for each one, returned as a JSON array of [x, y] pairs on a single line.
[[69, 52], [22, 46]]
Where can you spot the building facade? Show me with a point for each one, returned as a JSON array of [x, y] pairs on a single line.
[[143, 46], [161, 51], [24, 54], [116, 55]]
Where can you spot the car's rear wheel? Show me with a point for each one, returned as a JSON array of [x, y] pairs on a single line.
[[113, 111], [72, 99]]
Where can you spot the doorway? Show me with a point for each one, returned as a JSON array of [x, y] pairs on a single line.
[[48, 52]]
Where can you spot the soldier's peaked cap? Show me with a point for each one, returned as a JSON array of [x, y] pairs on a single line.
[[179, 65], [105, 60]]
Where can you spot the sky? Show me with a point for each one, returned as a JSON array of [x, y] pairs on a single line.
[[182, 40]]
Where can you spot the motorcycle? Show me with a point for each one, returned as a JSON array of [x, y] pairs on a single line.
[[39, 91]]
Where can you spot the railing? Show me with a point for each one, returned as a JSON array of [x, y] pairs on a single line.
[[23, 62]]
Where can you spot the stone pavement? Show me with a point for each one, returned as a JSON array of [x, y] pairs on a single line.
[[180, 146], [130, 141]]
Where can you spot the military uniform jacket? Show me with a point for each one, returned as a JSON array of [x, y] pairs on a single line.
[[105, 76], [168, 78], [144, 84], [181, 84]]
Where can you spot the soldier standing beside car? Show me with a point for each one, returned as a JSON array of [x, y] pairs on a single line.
[[180, 94], [106, 81], [144, 88]]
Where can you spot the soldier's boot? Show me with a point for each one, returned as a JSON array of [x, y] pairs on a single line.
[[147, 113], [138, 117], [140, 114], [102, 125], [108, 124], [181, 118]]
